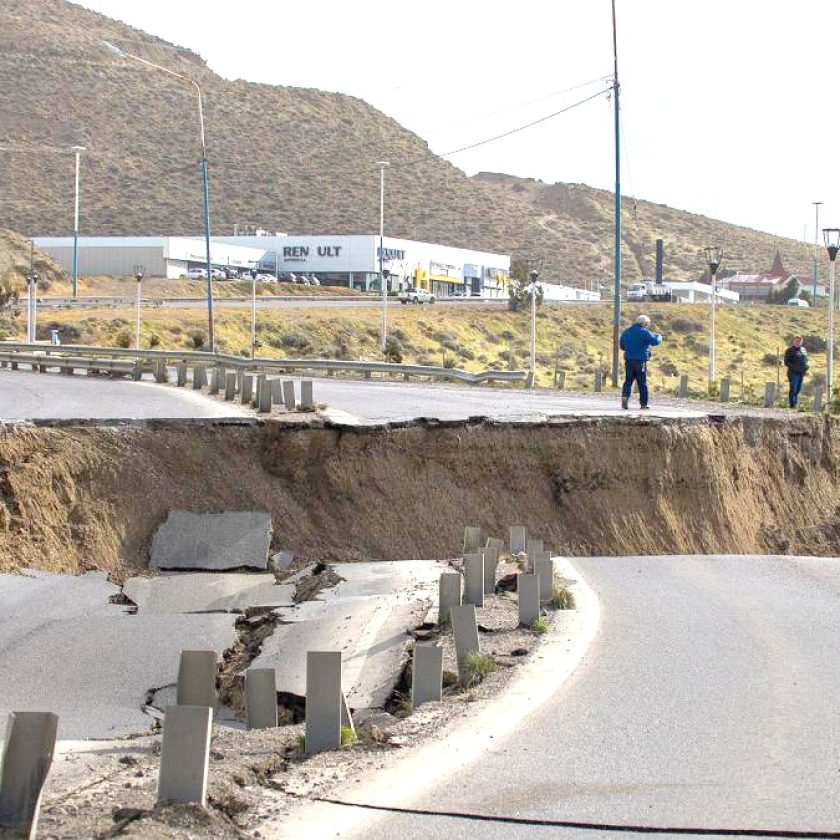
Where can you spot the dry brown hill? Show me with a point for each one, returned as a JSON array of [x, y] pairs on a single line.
[[290, 159], [15, 261]]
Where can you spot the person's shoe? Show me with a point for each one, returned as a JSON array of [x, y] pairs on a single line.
[[644, 407], [624, 403]]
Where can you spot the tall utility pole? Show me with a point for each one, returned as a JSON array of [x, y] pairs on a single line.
[[617, 277], [816, 246], [78, 150], [382, 164]]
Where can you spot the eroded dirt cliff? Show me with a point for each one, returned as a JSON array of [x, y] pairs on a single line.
[[74, 498]]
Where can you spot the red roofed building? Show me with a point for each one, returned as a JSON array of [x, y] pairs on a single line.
[[759, 287]]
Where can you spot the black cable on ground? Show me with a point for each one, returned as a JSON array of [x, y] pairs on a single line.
[[590, 826]]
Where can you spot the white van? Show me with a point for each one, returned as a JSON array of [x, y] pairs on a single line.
[[638, 291], [798, 302]]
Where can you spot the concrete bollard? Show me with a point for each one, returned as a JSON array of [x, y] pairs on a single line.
[[818, 398], [724, 389], [495, 542], [769, 394], [246, 392], [599, 384], [449, 595], [532, 549], [27, 756], [214, 381], [136, 370], [230, 387], [474, 579], [346, 717], [197, 678], [682, 391], [289, 395], [491, 562], [528, 595], [518, 538], [323, 700], [240, 375], [544, 570], [426, 674], [258, 384], [67, 370], [277, 391], [465, 630], [264, 397], [261, 698], [181, 374], [185, 755], [161, 373], [561, 380], [199, 377], [14, 365], [307, 401], [472, 539]]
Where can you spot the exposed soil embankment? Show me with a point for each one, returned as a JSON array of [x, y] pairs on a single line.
[[76, 498]]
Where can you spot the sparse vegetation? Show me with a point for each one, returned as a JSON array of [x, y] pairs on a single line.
[[539, 626], [562, 598], [478, 666], [348, 736]]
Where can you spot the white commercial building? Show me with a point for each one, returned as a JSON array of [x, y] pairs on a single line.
[[160, 256]]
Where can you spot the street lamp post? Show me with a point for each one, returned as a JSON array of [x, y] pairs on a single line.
[[204, 177], [382, 164], [78, 150], [253, 311], [831, 237], [816, 248], [532, 373], [139, 271], [714, 256]]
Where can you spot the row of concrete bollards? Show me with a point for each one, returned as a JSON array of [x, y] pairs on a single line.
[[260, 392]]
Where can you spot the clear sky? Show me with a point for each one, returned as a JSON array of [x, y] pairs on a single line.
[[728, 106]]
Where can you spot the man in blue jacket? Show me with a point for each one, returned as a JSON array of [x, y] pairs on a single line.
[[636, 342]]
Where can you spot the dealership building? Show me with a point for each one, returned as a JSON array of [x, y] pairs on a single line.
[[349, 261]]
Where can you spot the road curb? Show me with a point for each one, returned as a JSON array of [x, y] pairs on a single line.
[[466, 739]]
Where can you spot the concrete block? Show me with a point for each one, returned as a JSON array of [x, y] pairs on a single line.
[[472, 539], [346, 717], [465, 630], [769, 394], [495, 542], [307, 401], [181, 374], [724, 389], [323, 700], [67, 370], [426, 674], [682, 391], [544, 570], [491, 562], [161, 373], [246, 392], [199, 377], [261, 698], [560, 379], [449, 595], [518, 538], [27, 756], [289, 395], [197, 678], [185, 755], [474, 579], [258, 385], [277, 391], [240, 375], [818, 398], [230, 386], [528, 594], [264, 396], [599, 381], [214, 381], [136, 371], [282, 560], [212, 541], [533, 547]]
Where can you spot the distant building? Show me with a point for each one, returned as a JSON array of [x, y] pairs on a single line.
[[758, 288]]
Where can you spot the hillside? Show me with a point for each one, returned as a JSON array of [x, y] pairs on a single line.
[[297, 160], [14, 266]]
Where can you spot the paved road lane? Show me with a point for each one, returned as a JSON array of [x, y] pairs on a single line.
[[708, 699]]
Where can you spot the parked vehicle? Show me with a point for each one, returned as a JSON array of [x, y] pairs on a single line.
[[799, 302], [217, 274], [657, 292], [411, 295], [196, 274], [262, 277]]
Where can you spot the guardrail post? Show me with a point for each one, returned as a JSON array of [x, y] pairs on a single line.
[[528, 595], [276, 391], [181, 374], [367, 374], [306, 401], [67, 370], [13, 365], [258, 386], [323, 700], [161, 374], [769, 394], [465, 630], [214, 381], [560, 380], [199, 377], [682, 391], [261, 698], [598, 382], [240, 375], [289, 395], [27, 756], [136, 370], [196, 684], [230, 386], [264, 396], [474, 579], [449, 595], [491, 562], [185, 754], [247, 391], [426, 674], [724, 389]]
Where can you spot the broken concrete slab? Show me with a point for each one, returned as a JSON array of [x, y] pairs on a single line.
[[213, 541], [172, 593]]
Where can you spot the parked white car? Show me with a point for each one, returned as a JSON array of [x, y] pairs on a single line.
[[416, 296], [798, 302], [196, 273]]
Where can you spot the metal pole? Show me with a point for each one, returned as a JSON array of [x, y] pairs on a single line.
[[253, 315], [712, 273], [78, 150], [830, 372], [139, 296], [816, 245], [382, 165], [617, 258], [533, 371]]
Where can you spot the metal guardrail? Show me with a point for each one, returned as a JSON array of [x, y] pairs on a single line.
[[197, 357], [42, 362]]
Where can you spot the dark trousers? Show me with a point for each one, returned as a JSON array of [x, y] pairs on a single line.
[[635, 372], [795, 380]]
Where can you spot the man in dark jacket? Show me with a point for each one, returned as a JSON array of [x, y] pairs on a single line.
[[796, 362], [636, 342]]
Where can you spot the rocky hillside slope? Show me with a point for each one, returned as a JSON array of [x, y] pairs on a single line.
[[290, 159], [69, 497]]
